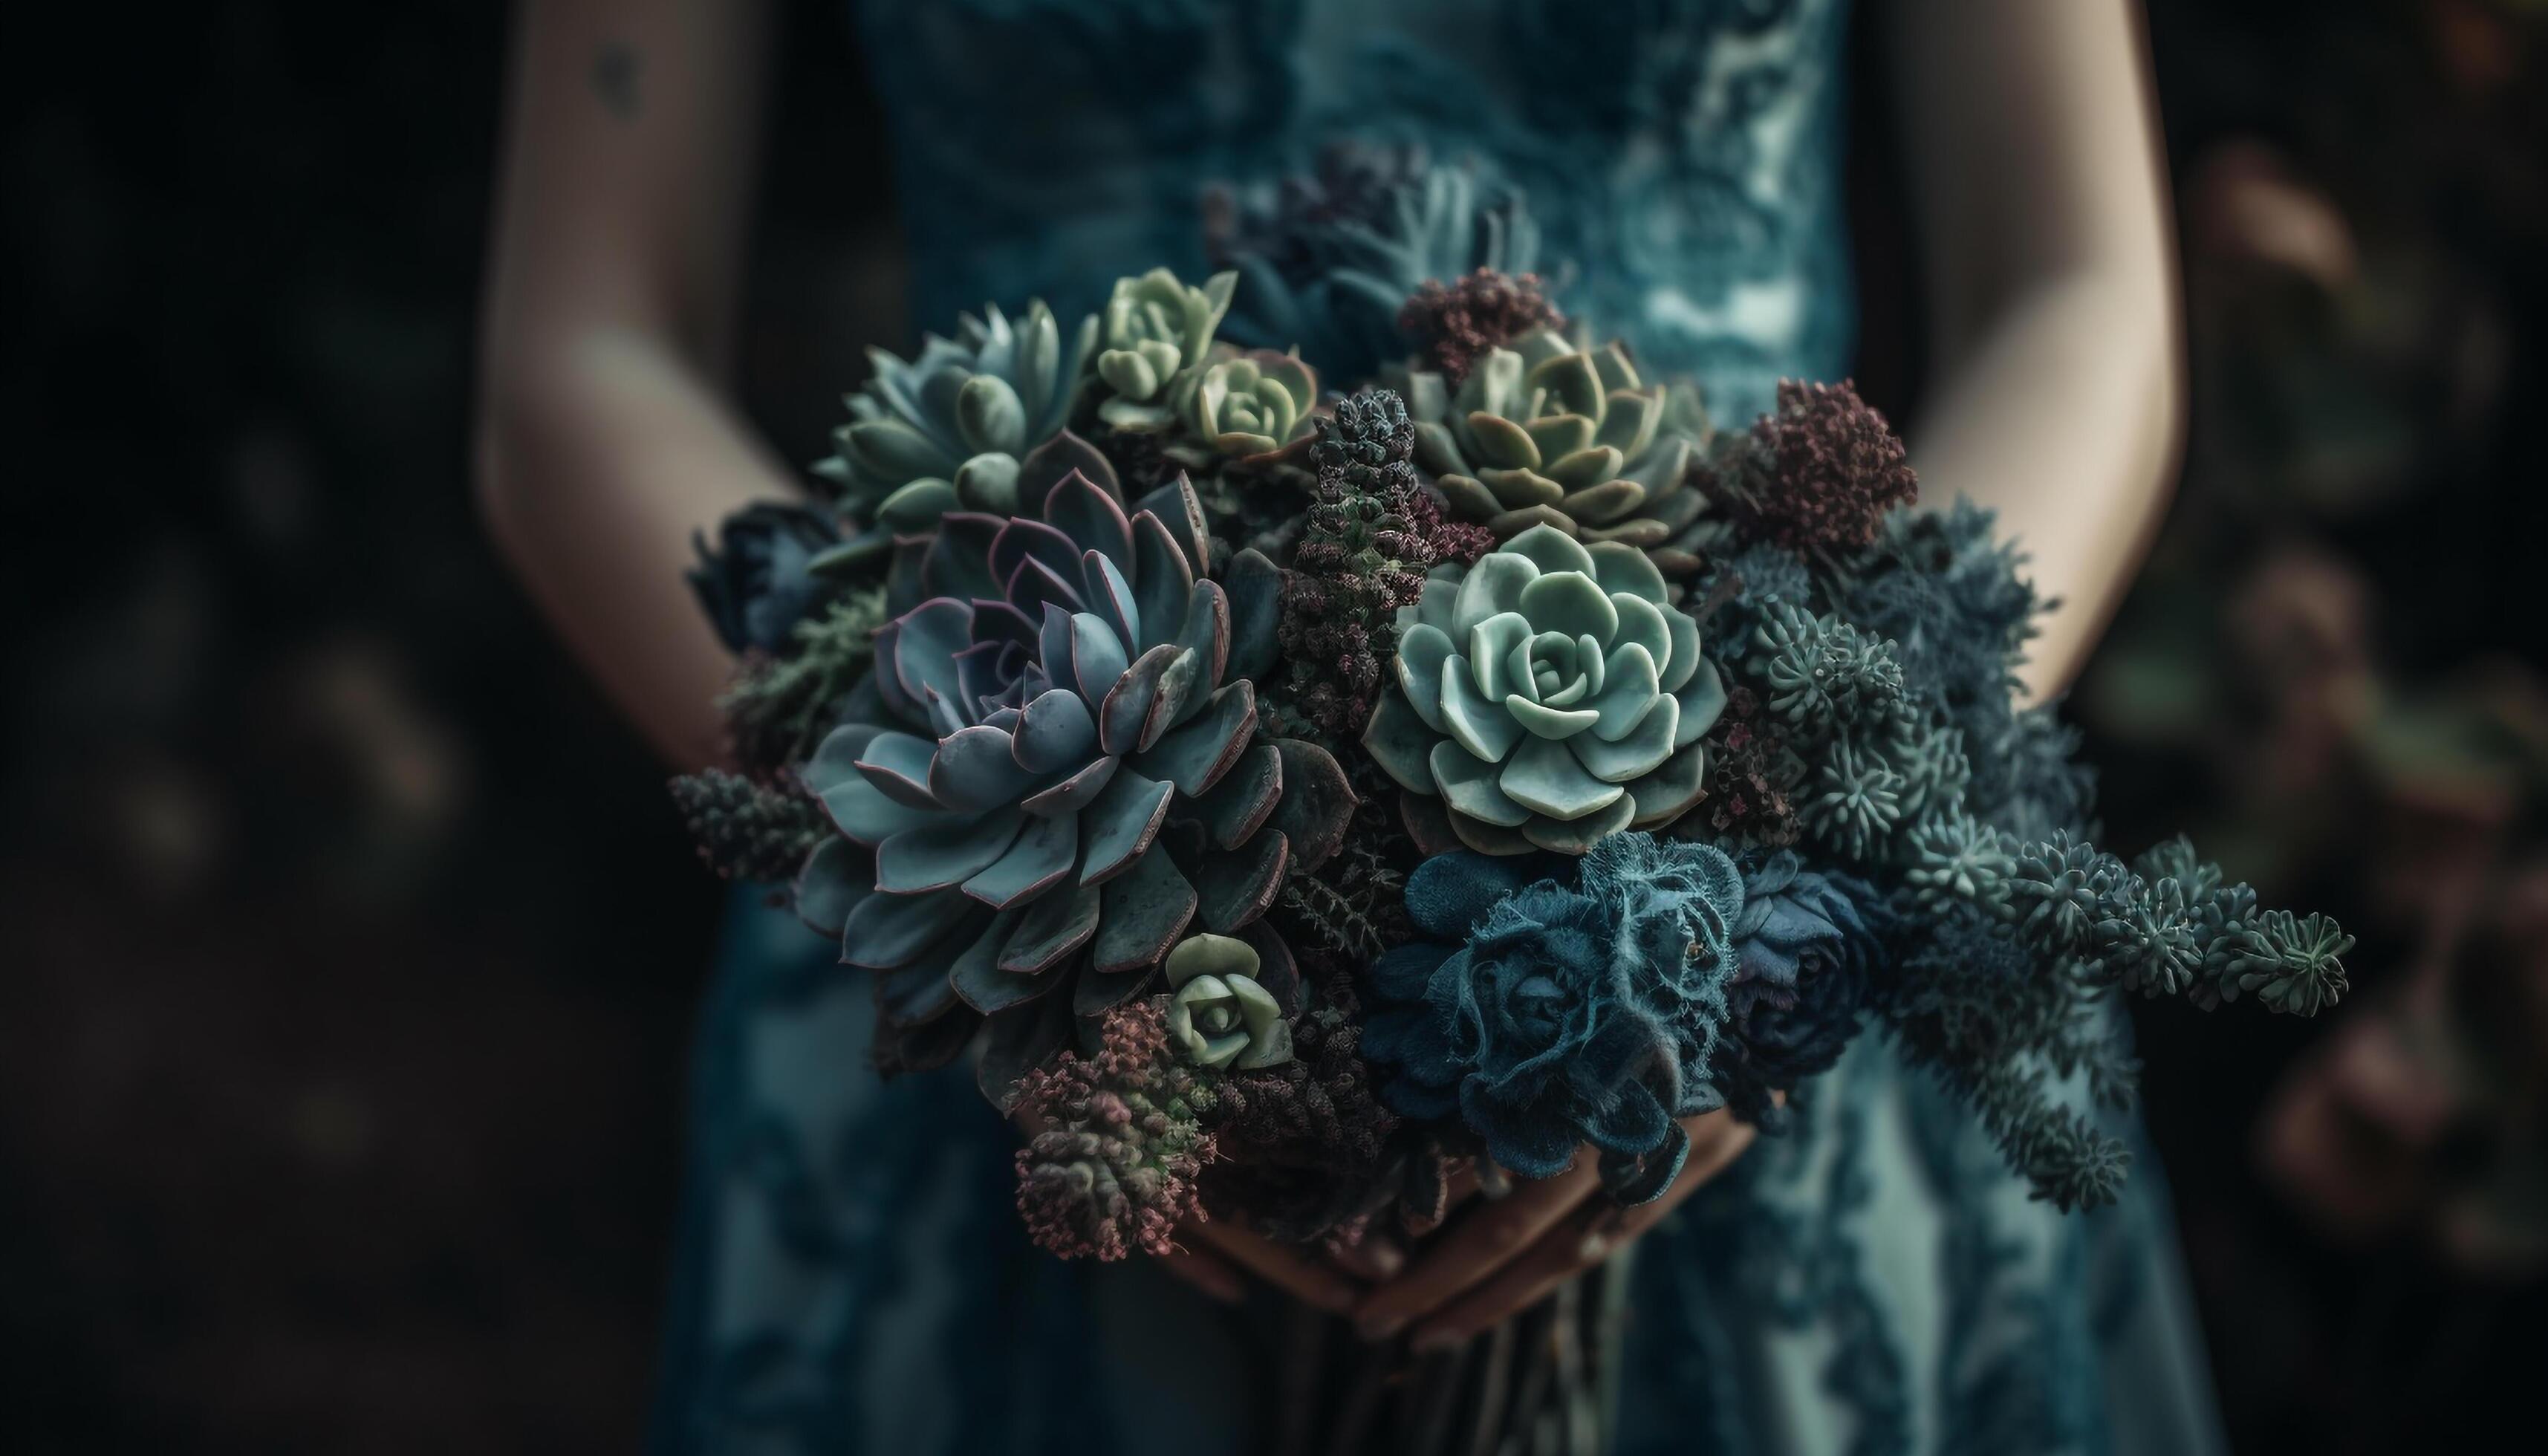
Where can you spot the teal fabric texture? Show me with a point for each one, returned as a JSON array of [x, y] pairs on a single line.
[[851, 1275]]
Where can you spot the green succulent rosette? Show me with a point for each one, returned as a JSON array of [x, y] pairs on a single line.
[[1154, 328], [1220, 1015], [1243, 405], [1547, 696], [945, 429]]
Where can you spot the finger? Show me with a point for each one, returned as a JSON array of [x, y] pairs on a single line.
[[1489, 1237], [1457, 1189], [1576, 1245], [1215, 1276], [1307, 1279], [1376, 1257]]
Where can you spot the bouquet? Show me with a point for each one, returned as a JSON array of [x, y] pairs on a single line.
[[1290, 795]]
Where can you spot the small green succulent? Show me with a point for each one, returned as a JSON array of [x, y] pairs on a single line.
[[1154, 328], [1555, 432], [944, 431], [1218, 1014], [1246, 403]]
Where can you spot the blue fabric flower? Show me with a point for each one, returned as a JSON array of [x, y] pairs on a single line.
[[1563, 1013], [1806, 947], [757, 583]]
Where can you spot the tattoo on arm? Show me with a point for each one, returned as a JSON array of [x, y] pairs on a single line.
[[615, 64]]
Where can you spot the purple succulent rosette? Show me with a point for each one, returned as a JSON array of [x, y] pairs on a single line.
[[1058, 766]]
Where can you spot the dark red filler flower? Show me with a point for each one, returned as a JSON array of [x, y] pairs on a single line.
[[1453, 327], [1370, 537], [1113, 1168], [1821, 471], [1311, 1153]]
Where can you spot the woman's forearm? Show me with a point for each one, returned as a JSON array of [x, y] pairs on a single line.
[[2063, 417], [2057, 385], [596, 466], [605, 438]]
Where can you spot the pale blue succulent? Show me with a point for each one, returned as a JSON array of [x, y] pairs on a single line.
[[1547, 696], [945, 431]]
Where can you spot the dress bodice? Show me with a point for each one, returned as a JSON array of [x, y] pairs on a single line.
[[1681, 157]]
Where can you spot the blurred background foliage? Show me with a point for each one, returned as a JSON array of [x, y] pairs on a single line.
[[351, 951]]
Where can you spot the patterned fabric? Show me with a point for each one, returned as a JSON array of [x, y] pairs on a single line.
[[852, 1275]]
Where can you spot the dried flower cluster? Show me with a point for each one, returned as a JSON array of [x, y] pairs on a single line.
[[1113, 1168], [1820, 473], [1452, 327]]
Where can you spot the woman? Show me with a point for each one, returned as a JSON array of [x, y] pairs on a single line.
[[851, 1278]]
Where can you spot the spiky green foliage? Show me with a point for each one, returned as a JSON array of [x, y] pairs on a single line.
[[780, 708], [747, 830]]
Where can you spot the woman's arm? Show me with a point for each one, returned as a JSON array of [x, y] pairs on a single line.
[[603, 436], [2057, 381]]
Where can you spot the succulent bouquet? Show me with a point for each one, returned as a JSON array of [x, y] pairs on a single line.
[[1290, 796]]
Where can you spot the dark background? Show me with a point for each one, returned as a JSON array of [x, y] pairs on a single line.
[[350, 949]]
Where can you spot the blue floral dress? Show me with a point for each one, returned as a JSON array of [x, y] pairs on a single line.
[[852, 1276]]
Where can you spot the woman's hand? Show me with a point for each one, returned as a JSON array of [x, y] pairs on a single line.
[[1505, 1256]]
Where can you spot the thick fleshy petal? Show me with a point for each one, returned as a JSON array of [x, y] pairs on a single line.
[[888, 931], [1110, 595], [1493, 584], [936, 857], [1626, 568], [1483, 727], [1207, 635], [835, 877], [1572, 603], [897, 764], [1120, 826], [1050, 930], [1547, 722], [1641, 623], [1399, 741], [1097, 657], [1628, 693], [1702, 701], [978, 977], [1126, 712], [1643, 749], [976, 768], [1055, 733], [1469, 786], [1142, 913], [1544, 778], [1421, 651], [1091, 518], [1161, 582], [927, 639], [1485, 838], [1317, 802], [1255, 587], [1236, 887], [1576, 836], [1074, 794], [1684, 663], [1492, 645], [1039, 860], [1237, 807], [1673, 790], [1550, 550], [1194, 756]]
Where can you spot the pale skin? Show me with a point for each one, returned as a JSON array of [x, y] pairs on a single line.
[[606, 436]]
